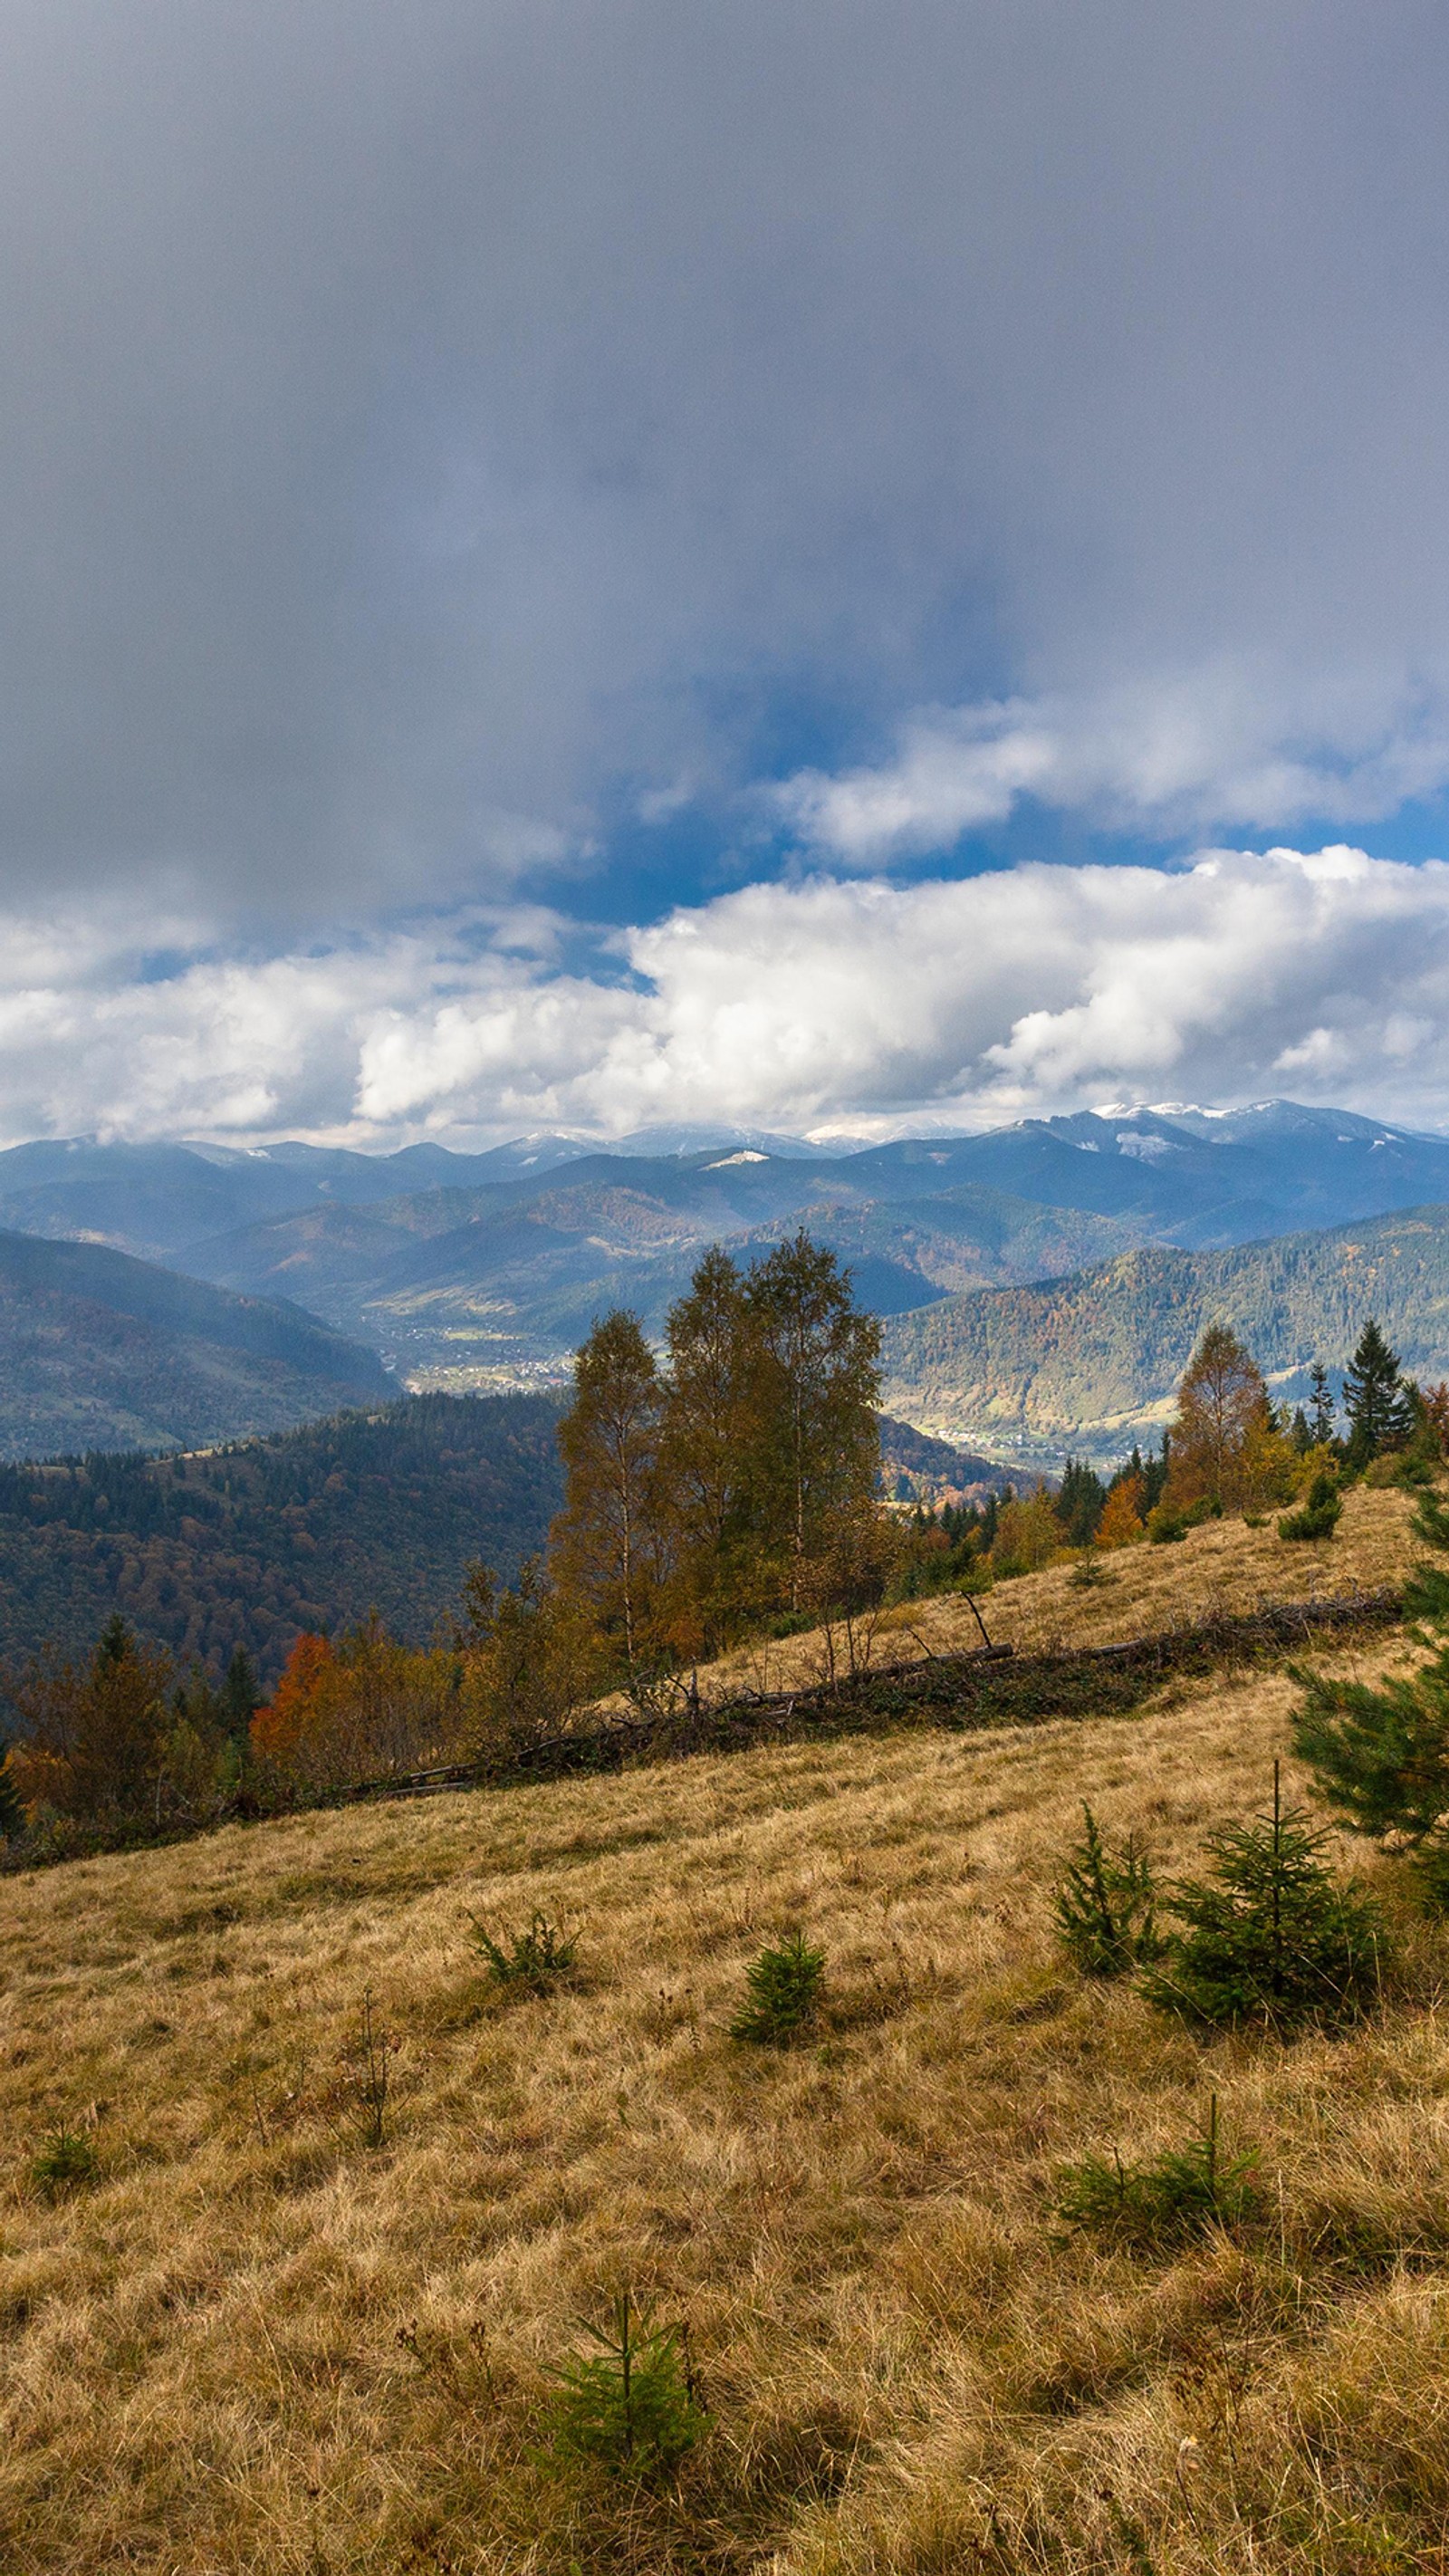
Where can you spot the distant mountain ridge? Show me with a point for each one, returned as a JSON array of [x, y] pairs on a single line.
[[100, 1351], [1091, 1361], [513, 1271], [470, 1269]]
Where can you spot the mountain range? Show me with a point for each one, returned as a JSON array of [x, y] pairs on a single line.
[[487, 1269], [484, 1271]]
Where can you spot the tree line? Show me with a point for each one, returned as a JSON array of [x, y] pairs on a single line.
[[1228, 1448], [721, 1487], [721, 1483]]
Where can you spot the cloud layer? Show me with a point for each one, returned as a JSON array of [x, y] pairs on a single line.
[[833, 1005], [429, 435]]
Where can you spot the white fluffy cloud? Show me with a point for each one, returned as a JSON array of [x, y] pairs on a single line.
[[1235, 744], [843, 1004]]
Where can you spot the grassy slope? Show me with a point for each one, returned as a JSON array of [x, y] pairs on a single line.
[[909, 2371]]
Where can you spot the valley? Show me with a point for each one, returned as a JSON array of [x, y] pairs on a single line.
[[1041, 1285], [478, 1272]]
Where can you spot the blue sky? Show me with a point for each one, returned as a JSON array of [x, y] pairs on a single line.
[[547, 551]]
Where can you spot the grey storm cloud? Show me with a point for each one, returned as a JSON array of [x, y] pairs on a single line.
[[422, 426]]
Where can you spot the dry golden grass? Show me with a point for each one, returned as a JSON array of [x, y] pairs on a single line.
[[1223, 1568], [908, 2369]]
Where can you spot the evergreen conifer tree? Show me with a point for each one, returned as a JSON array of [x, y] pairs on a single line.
[[1080, 1502], [240, 1697], [100, 1727], [1318, 1515], [1103, 1904], [12, 1813], [1154, 1471], [1321, 1407], [1272, 1936], [1378, 1404], [1380, 1753]]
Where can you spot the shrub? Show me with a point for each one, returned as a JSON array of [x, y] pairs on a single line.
[[631, 2406], [1176, 2194], [65, 2162], [538, 1956], [1165, 1526], [1103, 1904], [1318, 1514], [1272, 1937], [782, 1992]]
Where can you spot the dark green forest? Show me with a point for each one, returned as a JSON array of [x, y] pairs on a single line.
[[250, 1544]]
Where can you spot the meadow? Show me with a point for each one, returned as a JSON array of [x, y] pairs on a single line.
[[251, 2339]]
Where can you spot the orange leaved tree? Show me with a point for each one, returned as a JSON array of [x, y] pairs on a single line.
[[364, 1709]]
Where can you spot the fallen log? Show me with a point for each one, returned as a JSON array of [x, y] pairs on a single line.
[[985, 1686]]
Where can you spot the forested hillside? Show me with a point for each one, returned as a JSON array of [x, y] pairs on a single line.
[[1093, 1359], [98, 1351], [251, 1544]]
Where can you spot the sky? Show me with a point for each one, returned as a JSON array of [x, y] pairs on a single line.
[[845, 568]]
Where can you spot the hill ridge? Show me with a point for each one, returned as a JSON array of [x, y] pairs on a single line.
[[1092, 1358]]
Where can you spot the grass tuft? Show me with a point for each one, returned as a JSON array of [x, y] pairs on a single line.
[[537, 1957]]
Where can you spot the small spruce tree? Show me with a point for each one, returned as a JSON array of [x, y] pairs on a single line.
[[1380, 1754], [1272, 1937], [630, 2407], [1377, 1402], [782, 1991], [1178, 2193], [1103, 1904], [1318, 1514]]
